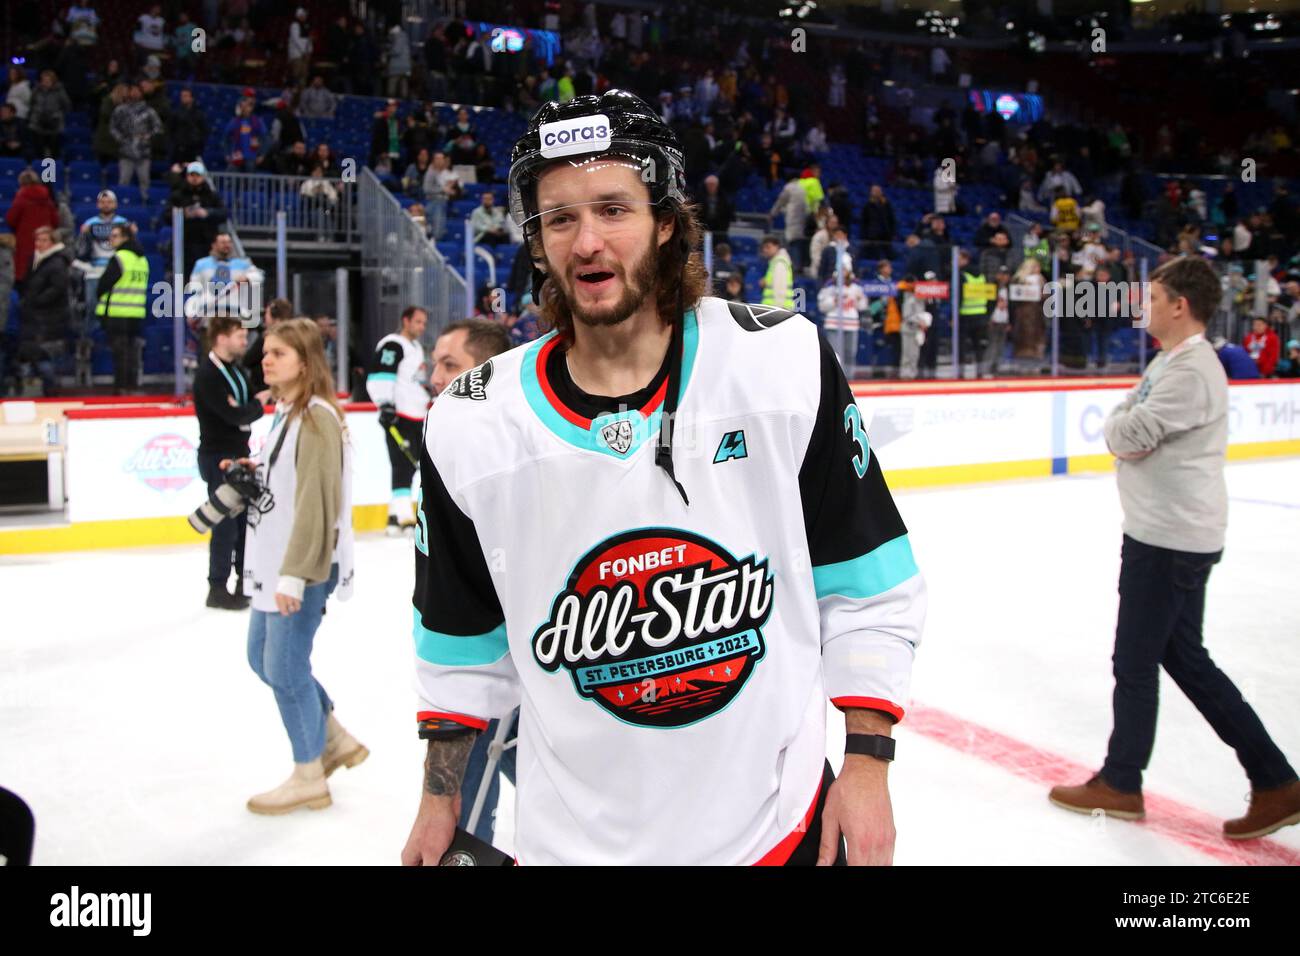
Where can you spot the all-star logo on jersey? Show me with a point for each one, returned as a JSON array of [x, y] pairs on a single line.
[[660, 627], [472, 384]]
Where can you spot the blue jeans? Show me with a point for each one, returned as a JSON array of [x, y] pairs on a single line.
[[1161, 606], [279, 651], [436, 211], [474, 774]]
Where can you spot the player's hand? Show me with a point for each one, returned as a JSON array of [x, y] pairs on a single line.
[[858, 806], [387, 415], [287, 604], [434, 829]]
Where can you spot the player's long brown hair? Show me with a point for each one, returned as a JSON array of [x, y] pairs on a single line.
[[678, 262], [303, 336]]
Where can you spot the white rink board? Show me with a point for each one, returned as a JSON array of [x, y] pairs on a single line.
[[919, 431], [119, 468], [1256, 413]]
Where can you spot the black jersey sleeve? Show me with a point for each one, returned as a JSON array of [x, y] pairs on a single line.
[[381, 383], [870, 593], [464, 670]]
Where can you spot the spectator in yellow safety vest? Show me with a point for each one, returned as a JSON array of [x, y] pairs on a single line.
[[973, 316], [778, 282], [123, 290]]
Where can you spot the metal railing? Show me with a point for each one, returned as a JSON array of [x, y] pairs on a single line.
[[401, 266], [323, 212], [1113, 235]]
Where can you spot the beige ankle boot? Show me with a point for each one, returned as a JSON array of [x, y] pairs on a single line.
[[305, 787], [341, 748]]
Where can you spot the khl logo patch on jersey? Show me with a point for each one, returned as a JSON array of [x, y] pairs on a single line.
[[731, 446], [659, 627], [618, 436], [472, 384]]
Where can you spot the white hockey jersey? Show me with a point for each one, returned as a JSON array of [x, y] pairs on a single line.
[[673, 661], [399, 376]]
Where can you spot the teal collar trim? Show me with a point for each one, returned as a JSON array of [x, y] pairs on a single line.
[[603, 434]]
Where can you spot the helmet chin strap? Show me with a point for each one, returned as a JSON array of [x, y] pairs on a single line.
[[676, 348], [664, 440]]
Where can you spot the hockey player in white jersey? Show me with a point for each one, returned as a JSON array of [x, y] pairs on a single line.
[[399, 384], [659, 530]]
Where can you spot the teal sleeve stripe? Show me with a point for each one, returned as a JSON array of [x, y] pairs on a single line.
[[382, 377], [873, 573], [455, 650]]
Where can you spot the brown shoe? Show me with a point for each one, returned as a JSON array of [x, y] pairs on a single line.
[[1097, 794], [1269, 810]]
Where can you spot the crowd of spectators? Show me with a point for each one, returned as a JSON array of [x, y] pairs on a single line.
[[743, 112]]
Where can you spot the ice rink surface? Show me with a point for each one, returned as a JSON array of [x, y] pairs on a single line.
[[130, 721]]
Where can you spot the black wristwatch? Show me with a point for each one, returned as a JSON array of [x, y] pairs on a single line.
[[870, 745]]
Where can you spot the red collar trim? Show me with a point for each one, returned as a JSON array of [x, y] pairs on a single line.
[[569, 414]]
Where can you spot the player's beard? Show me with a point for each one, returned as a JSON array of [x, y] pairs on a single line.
[[637, 285]]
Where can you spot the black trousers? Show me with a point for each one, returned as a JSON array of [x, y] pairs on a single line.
[[1161, 607], [1099, 337], [123, 341], [974, 337], [226, 546], [805, 853], [402, 468]]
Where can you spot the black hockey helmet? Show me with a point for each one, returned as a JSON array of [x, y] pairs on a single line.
[[615, 122]]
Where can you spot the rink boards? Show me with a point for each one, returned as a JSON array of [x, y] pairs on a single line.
[[132, 476], [928, 434]]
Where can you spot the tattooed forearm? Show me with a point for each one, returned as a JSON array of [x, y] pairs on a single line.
[[444, 764]]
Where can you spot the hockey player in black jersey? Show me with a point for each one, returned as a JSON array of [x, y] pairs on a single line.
[[661, 532], [399, 384]]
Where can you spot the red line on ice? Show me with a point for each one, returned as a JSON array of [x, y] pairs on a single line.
[[1169, 818]]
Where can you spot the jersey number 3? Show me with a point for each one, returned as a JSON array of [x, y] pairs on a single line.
[[421, 526], [853, 425]]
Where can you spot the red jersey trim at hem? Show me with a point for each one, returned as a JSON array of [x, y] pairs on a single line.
[[779, 855]]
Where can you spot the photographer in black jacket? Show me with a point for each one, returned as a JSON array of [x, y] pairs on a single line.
[[225, 406]]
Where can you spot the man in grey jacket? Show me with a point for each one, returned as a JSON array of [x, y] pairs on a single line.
[[1171, 436], [133, 125], [793, 201], [48, 115]]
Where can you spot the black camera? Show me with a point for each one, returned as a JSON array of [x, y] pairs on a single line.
[[241, 489]]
